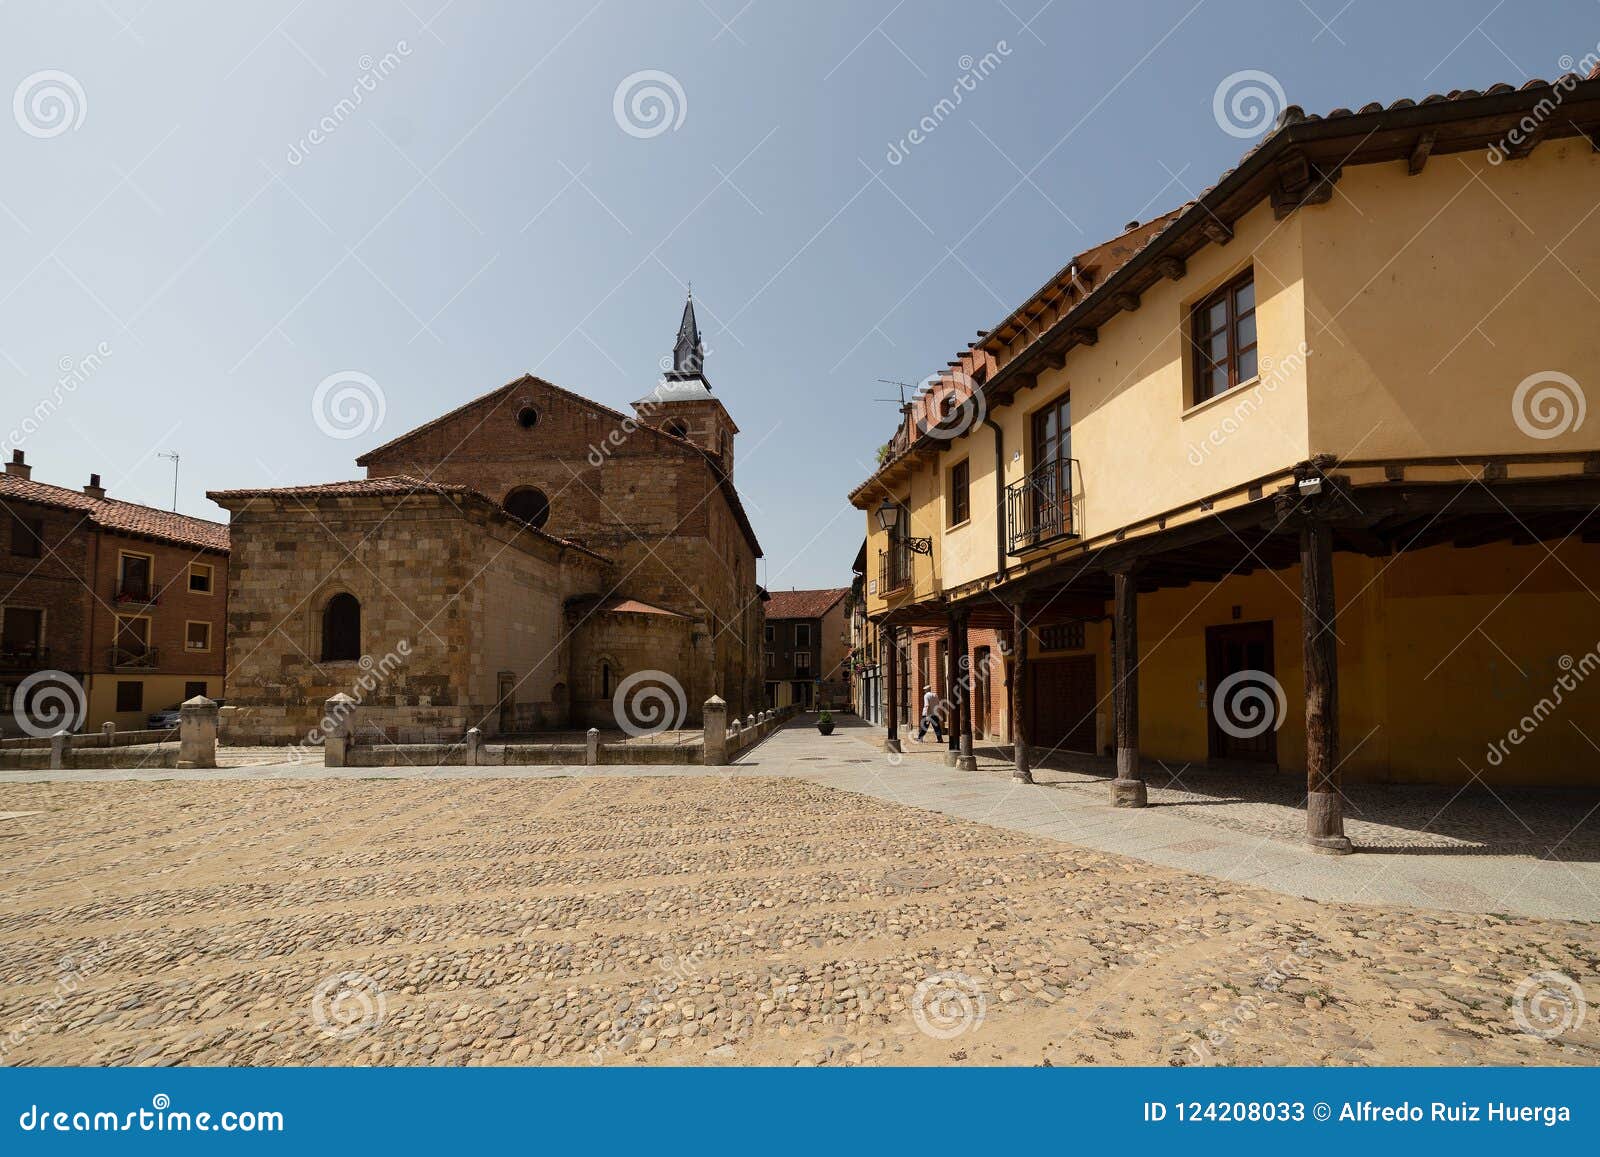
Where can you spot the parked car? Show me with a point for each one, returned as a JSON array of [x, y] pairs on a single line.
[[163, 720]]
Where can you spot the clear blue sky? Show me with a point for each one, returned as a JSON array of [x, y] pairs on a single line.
[[481, 211]]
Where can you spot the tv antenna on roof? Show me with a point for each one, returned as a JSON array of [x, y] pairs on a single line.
[[173, 454], [904, 386]]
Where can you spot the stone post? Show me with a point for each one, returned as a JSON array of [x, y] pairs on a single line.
[[339, 714], [108, 734], [591, 747], [749, 723], [714, 716], [60, 750], [735, 738], [197, 733], [474, 746]]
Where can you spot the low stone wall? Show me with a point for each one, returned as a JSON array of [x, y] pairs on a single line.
[[107, 736], [89, 756]]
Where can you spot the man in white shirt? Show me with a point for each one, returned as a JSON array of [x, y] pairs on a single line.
[[930, 717]]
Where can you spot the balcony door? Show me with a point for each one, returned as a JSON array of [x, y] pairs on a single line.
[[1051, 467]]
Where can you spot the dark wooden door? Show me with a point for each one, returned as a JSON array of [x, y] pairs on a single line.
[[1061, 703], [1231, 649]]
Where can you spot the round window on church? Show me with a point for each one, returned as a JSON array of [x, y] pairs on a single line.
[[528, 416], [529, 504]]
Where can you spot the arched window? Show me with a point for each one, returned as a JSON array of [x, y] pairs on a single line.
[[605, 680], [341, 629], [676, 426], [529, 504]]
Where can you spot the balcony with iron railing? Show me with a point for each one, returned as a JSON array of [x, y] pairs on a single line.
[[133, 658], [24, 657], [135, 590], [894, 569], [1039, 508]]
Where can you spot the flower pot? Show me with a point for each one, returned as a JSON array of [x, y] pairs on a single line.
[[825, 728]]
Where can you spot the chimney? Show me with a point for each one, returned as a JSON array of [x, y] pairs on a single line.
[[18, 466], [94, 489]]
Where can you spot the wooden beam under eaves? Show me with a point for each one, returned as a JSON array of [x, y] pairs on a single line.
[[1420, 151]]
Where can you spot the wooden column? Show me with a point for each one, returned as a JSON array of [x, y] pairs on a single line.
[[891, 706], [1324, 816], [1128, 789], [1021, 769], [951, 701], [964, 757]]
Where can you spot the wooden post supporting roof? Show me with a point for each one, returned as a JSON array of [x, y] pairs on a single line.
[[1128, 789], [1324, 814], [891, 652], [963, 720], [1021, 768]]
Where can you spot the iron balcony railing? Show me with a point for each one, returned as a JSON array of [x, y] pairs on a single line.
[[26, 657], [133, 658], [894, 568], [130, 590], [1039, 508]]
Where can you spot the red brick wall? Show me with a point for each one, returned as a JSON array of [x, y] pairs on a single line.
[[175, 605], [52, 583]]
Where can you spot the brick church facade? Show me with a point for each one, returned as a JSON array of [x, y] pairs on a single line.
[[511, 565]]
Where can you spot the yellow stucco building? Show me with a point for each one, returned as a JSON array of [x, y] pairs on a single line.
[[1298, 476]]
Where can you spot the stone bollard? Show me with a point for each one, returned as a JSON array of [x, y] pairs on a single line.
[[197, 733], [591, 749], [735, 738], [474, 746], [108, 734], [60, 750], [339, 719], [714, 722]]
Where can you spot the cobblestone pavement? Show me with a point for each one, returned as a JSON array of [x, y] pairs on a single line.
[[705, 919]]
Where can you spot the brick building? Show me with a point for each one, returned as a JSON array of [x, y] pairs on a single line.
[[542, 557], [807, 648], [124, 601]]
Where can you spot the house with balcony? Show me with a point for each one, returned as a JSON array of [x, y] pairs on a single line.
[[117, 606], [1293, 479], [807, 644]]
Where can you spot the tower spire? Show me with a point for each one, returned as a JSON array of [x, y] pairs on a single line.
[[688, 353]]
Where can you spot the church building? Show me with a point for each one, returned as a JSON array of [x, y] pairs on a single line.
[[530, 561]]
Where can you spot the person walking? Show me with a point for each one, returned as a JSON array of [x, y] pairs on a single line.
[[930, 717]]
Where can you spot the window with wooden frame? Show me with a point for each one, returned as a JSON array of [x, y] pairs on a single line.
[[802, 634], [197, 635], [201, 577], [135, 574], [1223, 330], [960, 492], [27, 537]]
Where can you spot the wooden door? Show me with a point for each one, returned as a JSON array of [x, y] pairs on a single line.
[[1062, 703], [1231, 649]]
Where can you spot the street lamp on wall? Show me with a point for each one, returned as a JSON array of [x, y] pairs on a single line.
[[889, 522]]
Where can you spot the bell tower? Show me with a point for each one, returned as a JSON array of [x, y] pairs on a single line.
[[682, 403]]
